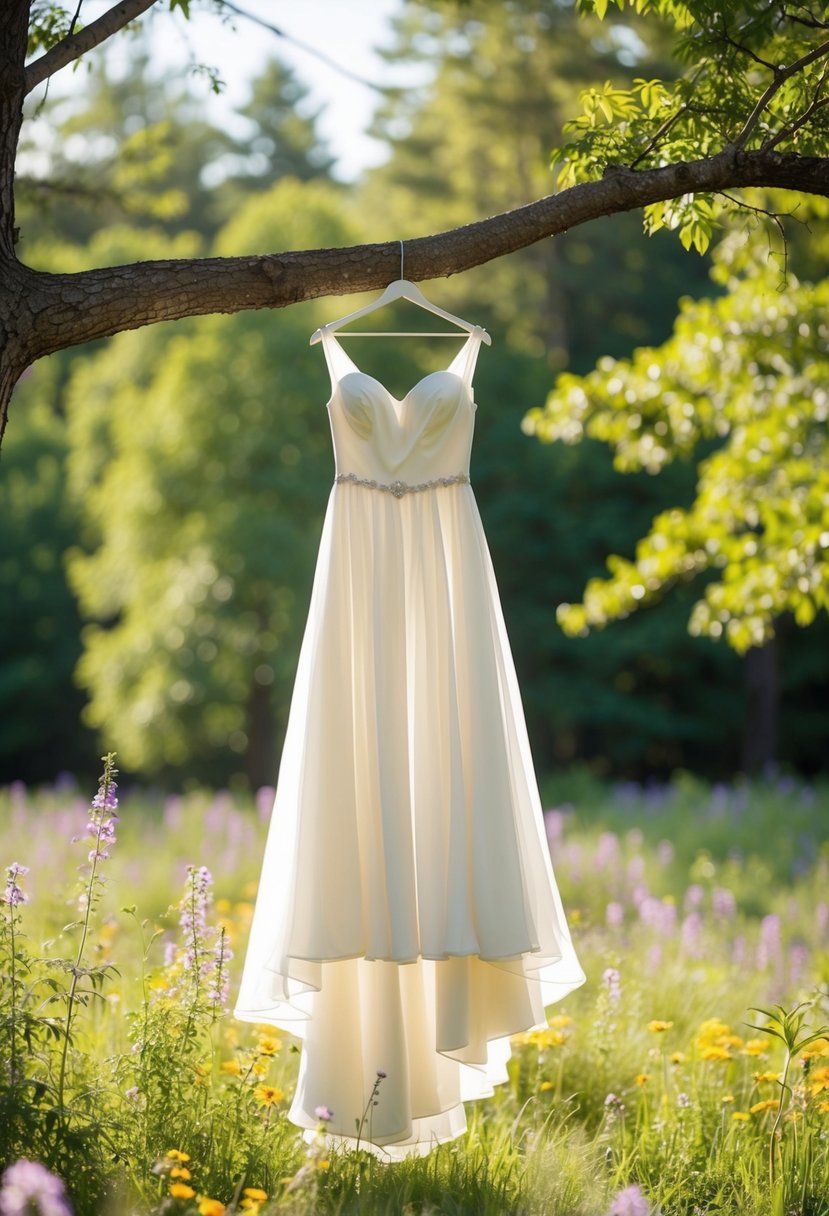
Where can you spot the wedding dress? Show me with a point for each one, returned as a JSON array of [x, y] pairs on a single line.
[[407, 920]]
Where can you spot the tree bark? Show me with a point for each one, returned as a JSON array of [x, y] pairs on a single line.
[[14, 35]]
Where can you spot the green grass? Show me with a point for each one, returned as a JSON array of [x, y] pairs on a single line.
[[689, 905]]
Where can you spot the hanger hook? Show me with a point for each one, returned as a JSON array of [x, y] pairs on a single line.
[[401, 259]]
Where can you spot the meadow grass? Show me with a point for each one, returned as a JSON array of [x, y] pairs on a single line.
[[690, 1074]]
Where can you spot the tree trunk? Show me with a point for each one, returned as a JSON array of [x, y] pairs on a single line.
[[762, 707], [260, 756]]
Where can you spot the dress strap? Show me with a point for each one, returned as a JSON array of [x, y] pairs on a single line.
[[339, 364], [463, 364]]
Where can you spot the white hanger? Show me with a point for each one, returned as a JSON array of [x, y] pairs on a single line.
[[400, 289]]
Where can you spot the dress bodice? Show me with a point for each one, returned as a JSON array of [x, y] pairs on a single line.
[[421, 437]]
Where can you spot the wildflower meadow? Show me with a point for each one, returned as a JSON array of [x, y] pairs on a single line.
[[690, 1075]]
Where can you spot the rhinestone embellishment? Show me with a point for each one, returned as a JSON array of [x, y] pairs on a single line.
[[399, 488]]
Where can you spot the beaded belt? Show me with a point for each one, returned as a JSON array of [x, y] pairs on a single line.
[[399, 488]]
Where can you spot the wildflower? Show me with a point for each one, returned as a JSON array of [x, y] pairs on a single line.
[[740, 1116], [269, 1094], [756, 1047], [381, 1076], [823, 1107], [764, 1077], [256, 1193], [726, 1098], [545, 1085], [614, 914], [819, 1081], [269, 1045], [683, 1101], [324, 1114], [719, 1055], [542, 1039], [678, 1057], [259, 1068], [27, 1186], [180, 1190], [612, 981], [641, 1078], [820, 1047], [659, 1027], [766, 1104], [793, 1116], [176, 1155], [230, 1066], [13, 894], [210, 1207], [629, 1202], [559, 1021], [613, 1102], [180, 1171], [133, 1093]]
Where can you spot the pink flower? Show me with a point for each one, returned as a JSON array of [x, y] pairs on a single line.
[[629, 1202]]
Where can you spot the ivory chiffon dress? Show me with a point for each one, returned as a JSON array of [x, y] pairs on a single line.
[[407, 919]]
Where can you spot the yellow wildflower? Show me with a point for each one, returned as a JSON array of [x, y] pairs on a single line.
[[712, 1028], [543, 1039], [268, 1095], [719, 1055], [793, 1116], [545, 1085], [255, 1192], [727, 1098], [211, 1207], [231, 1066], [641, 1078], [762, 1077], [269, 1045], [322, 1165], [756, 1047], [823, 1107], [739, 1115], [180, 1190], [678, 1057], [766, 1104], [559, 1021], [180, 1171], [659, 1027], [820, 1047], [259, 1068], [251, 1206], [223, 905], [818, 1081], [176, 1155]]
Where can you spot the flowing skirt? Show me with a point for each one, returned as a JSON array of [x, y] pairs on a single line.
[[407, 918]]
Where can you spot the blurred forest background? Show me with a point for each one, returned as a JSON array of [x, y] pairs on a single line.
[[163, 492]]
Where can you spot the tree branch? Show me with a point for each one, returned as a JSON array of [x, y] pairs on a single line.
[[62, 310], [74, 45], [780, 78]]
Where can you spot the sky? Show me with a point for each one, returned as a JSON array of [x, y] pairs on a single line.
[[346, 31]]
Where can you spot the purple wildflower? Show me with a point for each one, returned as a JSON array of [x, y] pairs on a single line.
[[665, 852], [13, 894], [612, 981], [769, 947], [29, 1189], [614, 914], [324, 1114], [381, 1076], [629, 1202], [693, 896], [723, 903], [683, 1101], [691, 934]]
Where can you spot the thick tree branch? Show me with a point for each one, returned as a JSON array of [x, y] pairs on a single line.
[[61, 310], [74, 45]]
